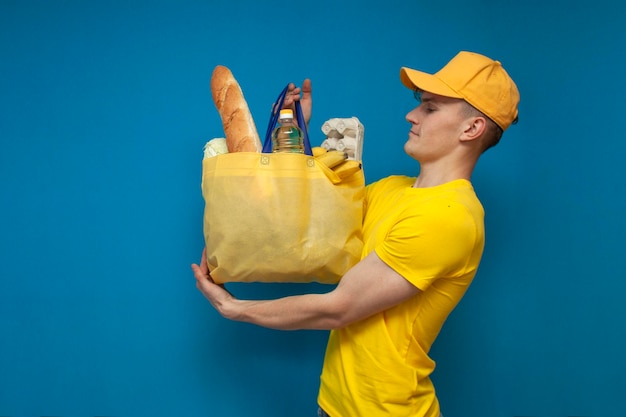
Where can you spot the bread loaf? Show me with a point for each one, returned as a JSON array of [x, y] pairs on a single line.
[[239, 128]]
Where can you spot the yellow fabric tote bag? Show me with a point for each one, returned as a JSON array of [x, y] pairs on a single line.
[[280, 217]]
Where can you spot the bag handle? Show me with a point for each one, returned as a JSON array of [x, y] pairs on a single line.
[[278, 105]]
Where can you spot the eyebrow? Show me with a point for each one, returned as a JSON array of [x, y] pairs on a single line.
[[426, 96], [430, 99], [434, 98]]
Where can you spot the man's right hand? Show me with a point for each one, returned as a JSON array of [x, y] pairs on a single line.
[[306, 100]]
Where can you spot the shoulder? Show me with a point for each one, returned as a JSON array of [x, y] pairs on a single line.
[[456, 197], [388, 185], [392, 181], [451, 212]]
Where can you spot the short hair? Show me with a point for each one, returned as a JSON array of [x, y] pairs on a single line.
[[493, 132]]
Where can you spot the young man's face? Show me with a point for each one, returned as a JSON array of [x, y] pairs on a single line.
[[436, 125]]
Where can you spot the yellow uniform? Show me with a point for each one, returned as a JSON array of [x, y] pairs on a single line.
[[434, 238]]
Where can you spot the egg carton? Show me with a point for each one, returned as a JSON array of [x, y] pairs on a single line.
[[344, 134]]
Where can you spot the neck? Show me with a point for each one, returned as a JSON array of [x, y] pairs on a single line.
[[432, 175]]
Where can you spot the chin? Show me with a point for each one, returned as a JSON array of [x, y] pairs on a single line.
[[409, 147], [411, 150]]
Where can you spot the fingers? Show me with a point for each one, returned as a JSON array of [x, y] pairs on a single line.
[[199, 273], [203, 262], [293, 95], [307, 100], [216, 294], [306, 88], [204, 282], [304, 95]]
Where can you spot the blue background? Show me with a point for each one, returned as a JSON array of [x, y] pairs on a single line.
[[105, 107]]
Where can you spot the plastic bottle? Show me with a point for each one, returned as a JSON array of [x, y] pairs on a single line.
[[287, 137]]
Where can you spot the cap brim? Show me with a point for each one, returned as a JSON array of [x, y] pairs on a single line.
[[414, 79]]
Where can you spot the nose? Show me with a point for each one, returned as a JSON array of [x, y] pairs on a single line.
[[411, 116]]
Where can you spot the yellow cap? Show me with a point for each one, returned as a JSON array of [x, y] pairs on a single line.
[[479, 80], [286, 114]]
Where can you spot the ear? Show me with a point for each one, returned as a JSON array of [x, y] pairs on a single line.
[[473, 128]]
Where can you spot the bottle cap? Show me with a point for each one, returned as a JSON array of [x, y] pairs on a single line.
[[286, 114]]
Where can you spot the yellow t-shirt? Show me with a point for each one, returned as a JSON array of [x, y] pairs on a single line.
[[433, 237]]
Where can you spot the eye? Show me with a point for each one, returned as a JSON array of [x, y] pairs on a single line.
[[427, 107]]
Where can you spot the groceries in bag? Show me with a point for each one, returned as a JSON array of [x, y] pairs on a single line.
[[287, 137], [276, 217], [239, 128]]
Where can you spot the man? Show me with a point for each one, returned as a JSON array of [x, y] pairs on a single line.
[[423, 240]]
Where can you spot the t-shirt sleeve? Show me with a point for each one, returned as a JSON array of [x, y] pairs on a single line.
[[433, 241]]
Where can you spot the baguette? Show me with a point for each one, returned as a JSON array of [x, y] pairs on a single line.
[[239, 128]]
